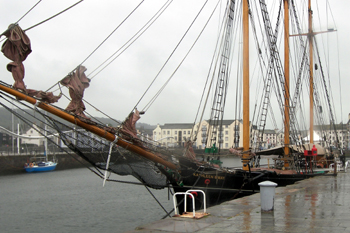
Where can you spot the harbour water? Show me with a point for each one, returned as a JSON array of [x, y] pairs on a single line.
[[75, 201]]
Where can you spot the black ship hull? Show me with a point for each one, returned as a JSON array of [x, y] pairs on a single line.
[[223, 185]]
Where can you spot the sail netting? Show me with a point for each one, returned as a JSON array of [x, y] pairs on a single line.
[[99, 153]]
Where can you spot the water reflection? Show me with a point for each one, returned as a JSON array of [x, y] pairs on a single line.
[[267, 219], [246, 217]]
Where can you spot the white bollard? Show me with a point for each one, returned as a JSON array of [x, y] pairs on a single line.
[[267, 195]]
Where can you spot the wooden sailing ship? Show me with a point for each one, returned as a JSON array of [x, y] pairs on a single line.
[[119, 149]]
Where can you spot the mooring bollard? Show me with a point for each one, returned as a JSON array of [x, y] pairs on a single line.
[[267, 195]]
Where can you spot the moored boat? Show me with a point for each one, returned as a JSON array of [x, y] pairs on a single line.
[[40, 166]]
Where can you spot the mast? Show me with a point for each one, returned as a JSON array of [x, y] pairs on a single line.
[[310, 37], [18, 144], [286, 84], [246, 138], [45, 141], [94, 129]]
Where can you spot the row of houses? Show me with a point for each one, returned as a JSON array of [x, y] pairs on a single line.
[[229, 135]]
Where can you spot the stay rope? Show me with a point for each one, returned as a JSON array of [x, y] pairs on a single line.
[[166, 62], [112, 32]]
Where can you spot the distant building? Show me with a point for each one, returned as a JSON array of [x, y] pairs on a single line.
[[175, 135], [230, 134], [172, 135], [329, 134], [33, 132], [272, 138]]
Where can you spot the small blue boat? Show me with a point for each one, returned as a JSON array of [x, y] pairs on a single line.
[[40, 166]]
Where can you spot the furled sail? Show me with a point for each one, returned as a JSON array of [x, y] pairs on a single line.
[[17, 48], [77, 82]]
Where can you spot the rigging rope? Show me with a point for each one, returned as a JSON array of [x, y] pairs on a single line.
[[206, 81], [112, 32], [133, 38], [13, 25], [148, 105], [53, 16], [166, 62], [28, 12]]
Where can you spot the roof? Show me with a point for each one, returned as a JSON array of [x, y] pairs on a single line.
[[227, 122], [331, 127], [269, 131], [177, 126]]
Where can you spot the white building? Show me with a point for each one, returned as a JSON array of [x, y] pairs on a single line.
[[174, 135], [33, 132]]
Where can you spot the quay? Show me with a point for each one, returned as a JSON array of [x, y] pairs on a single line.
[[320, 204]]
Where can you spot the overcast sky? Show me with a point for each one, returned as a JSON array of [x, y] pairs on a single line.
[[62, 43]]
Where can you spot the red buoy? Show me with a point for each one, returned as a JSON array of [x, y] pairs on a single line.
[[195, 194]]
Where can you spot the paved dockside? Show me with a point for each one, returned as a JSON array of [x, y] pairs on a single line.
[[320, 204]]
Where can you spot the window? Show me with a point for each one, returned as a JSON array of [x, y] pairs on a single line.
[[168, 132], [226, 132], [155, 133], [189, 132], [175, 138], [164, 132], [175, 131], [226, 138], [226, 126], [184, 132], [226, 145]]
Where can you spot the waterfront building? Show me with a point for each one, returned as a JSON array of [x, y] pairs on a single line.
[[172, 135], [230, 133], [227, 135], [33, 132]]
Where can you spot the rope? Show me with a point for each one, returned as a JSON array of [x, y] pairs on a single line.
[[53, 16], [28, 12], [166, 62], [19, 20], [112, 32], [126, 45]]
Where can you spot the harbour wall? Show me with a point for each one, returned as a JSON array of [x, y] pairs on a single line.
[[12, 164]]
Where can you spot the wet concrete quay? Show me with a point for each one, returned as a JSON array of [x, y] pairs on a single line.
[[320, 204]]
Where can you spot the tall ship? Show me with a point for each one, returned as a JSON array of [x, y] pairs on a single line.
[[245, 28]]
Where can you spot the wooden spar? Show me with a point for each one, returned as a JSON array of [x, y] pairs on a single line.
[[246, 136], [286, 83], [94, 129], [310, 36]]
